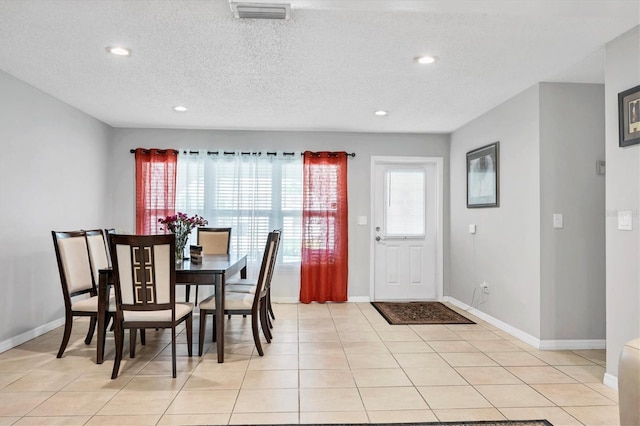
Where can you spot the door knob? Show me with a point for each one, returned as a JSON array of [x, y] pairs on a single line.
[[378, 238]]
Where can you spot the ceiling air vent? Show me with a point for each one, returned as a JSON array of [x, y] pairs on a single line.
[[261, 10]]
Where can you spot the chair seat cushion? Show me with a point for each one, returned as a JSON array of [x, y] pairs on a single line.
[[182, 310], [232, 302], [236, 288], [91, 305]]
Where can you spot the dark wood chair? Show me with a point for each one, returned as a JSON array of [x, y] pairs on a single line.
[[213, 241], [74, 265], [248, 285], [144, 274], [244, 303]]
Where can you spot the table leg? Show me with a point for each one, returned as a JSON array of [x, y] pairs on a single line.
[[219, 284], [103, 306]]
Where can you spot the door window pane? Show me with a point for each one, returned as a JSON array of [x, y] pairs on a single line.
[[404, 202]]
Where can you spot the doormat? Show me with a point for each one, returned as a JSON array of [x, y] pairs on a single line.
[[463, 423], [398, 313]]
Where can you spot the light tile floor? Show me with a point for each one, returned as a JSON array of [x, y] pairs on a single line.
[[328, 363]]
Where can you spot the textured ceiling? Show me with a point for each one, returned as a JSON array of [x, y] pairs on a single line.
[[327, 68]]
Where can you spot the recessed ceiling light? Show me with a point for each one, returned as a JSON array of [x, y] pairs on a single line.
[[423, 60], [381, 113], [180, 108], [119, 51]]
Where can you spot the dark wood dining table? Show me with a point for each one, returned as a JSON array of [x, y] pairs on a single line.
[[214, 270]]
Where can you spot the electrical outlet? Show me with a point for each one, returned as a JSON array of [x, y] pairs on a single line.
[[485, 287]]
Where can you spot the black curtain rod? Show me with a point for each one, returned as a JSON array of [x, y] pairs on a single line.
[[332, 154], [162, 151]]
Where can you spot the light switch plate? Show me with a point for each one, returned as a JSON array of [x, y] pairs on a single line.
[[558, 220], [625, 220], [472, 228], [362, 220]]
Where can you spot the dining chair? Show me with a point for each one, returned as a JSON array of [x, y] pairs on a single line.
[[213, 241], [144, 274], [74, 266], [248, 285], [244, 303]]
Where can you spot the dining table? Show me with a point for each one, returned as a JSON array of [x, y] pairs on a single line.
[[214, 269]]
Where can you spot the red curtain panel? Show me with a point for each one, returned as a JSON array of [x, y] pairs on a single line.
[[155, 188], [324, 268]]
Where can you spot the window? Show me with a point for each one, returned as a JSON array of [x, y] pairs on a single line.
[[404, 202], [253, 194]]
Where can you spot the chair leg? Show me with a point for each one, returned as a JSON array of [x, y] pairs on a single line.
[[256, 333], [173, 351], [132, 342], [190, 334], [203, 325], [264, 321], [196, 299], [143, 336], [269, 306], [92, 327], [119, 338], [68, 323]]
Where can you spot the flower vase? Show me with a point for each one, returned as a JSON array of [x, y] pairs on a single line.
[[181, 242]]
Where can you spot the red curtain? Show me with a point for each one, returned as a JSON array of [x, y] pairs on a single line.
[[155, 188], [324, 268]]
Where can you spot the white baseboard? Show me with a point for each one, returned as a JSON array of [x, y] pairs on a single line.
[[12, 342], [284, 299], [356, 299], [527, 338], [611, 381], [555, 345]]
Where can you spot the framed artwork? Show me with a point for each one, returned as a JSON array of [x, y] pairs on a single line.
[[629, 116], [483, 176]]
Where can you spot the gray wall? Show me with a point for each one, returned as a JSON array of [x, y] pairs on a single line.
[[505, 250], [573, 258], [122, 193], [546, 282], [623, 193], [53, 176]]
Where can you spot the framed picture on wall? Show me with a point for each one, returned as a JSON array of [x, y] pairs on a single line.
[[483, 176], [629, 116]]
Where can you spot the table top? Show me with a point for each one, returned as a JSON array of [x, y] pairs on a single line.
[[211, 263]]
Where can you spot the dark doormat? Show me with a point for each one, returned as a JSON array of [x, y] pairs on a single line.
[[419, 313], [469, 423]]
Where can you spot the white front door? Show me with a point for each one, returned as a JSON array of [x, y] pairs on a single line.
[[407, 210]]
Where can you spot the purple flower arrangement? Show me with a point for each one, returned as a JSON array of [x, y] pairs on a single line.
[[181, 225]]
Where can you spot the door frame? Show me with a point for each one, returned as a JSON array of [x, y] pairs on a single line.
[[438, 162]]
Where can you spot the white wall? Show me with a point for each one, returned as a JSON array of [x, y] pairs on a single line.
[[572, 258], [623, 193], [52, 177], [122, 193], [505, 250]]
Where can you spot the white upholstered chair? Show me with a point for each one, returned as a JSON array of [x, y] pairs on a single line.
[[78, 286], [144, 274], [253, 304]]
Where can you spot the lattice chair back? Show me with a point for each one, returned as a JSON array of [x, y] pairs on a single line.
[[144, 271]]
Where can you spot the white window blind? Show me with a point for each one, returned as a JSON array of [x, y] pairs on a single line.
[[252, 194]]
